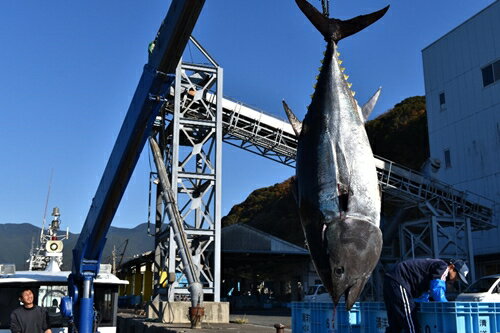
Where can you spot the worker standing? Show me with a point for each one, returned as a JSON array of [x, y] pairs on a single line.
[[412, 278], [29, 318]]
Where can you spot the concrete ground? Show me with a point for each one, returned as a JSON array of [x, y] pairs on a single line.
[[243, 322], [264, 319]]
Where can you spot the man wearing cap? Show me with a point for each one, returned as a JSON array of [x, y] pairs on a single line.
[[412, 278]]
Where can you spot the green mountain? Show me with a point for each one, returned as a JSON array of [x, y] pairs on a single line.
[[399, 135], [16, 242], [271, 209]]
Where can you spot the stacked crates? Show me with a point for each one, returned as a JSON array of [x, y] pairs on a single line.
[[371, 317]]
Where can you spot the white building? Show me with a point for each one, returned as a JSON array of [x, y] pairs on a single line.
[[462, 87]]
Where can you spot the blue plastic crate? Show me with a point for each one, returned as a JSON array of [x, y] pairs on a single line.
[[464, 317], [374, 317], [321, 318], [371, 317], [435, 317]]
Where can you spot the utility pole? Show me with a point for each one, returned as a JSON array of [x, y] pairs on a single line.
[[113, 254]]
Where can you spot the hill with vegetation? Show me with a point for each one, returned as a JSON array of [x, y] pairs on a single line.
[[399, 135]]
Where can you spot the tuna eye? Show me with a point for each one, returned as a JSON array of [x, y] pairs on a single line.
[[339, 271]]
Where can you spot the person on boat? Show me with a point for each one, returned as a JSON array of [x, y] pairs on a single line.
[[29, 318], [411, 279]]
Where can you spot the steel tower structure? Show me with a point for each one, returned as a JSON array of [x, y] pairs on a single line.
[[189, 133]]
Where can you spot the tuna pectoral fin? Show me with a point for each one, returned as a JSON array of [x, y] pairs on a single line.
[[370, 105], [296, 124], [295, 191], [333, 29]]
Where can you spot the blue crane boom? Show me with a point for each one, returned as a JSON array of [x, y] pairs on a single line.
[[165, 54]]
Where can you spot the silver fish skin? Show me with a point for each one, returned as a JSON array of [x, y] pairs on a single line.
[[336, 181]]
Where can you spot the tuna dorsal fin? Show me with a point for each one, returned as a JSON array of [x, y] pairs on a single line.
[[370, 105], [334, 29], [296, 124]]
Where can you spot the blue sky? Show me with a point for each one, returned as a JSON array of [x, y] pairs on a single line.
[[68, 71]]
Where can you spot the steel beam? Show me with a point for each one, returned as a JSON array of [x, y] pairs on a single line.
[[146, 103], [174, 34], [470, 247]]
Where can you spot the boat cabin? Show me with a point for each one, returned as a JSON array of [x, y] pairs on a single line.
[[49, 287]]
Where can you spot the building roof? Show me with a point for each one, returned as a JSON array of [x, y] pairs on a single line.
[[241, 238], [139, 259], [238, 238]]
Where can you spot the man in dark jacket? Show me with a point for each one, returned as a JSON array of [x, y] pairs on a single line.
[[29, 318], [412, 278]]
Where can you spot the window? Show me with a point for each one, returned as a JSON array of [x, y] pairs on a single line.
[[105, 303], [488, 75], [321, 290], [491, 73], [447, 158], [49, 297], [482, 285], [498, 133], [442, 101]]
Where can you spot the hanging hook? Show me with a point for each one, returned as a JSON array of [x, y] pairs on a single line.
[[326, 7]]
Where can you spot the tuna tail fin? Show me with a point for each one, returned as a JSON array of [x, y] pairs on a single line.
[[334, 29], [296, 124]]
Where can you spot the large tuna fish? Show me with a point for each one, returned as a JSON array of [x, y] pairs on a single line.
[[336, 181]]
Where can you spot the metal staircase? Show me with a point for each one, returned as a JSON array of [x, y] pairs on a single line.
[[433, 196]]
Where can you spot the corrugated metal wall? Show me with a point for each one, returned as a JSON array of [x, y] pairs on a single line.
[[468, 123]]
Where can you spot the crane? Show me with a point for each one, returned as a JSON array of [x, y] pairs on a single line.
[[164, 55]]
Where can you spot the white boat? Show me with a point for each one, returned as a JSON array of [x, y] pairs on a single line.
[[51, 284]]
